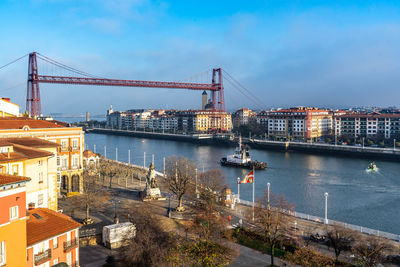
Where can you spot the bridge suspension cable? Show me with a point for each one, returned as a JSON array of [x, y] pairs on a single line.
[[15, 60]]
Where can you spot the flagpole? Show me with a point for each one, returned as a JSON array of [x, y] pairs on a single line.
[[238, 180], [254, 181]]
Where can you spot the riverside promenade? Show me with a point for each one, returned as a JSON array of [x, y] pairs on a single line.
[[315, 221], [392, 154]]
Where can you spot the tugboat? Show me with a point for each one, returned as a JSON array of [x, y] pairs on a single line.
[[242, 159], [372, 167]]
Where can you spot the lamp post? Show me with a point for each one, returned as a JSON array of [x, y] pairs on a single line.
[[129, 156], [115, 201], [197, 192], [394, 144], [94, 148], [268, 187], [105, 151], [116, 154], [363, 142], [238, 180], [326, 208]]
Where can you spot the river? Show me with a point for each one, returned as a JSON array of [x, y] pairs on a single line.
[[355, 196]]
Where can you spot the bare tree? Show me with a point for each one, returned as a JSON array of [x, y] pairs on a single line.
[[273, 216], [339, 238], [109, 169], [93, 194], [209, 205], [151, 246], [368, 251], [179, 172]]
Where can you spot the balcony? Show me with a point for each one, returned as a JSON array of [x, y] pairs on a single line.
[[42, 257], [70, 244], [63, 149]]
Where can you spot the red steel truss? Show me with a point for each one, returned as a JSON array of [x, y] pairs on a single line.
[[33, 94]]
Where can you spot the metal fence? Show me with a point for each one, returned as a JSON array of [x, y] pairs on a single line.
[[318, 219]]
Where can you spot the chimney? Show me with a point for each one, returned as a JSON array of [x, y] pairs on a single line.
[[31, 206]]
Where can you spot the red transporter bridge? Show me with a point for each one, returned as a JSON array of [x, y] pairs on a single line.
[[33, 105]]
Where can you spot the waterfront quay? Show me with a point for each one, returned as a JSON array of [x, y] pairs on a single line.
[[295, 146]]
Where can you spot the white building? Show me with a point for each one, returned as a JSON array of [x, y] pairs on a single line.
[[8, 109]]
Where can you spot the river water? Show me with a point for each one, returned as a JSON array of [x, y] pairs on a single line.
[[355, 196]]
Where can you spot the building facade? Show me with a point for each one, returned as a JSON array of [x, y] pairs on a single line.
[[368, 125], [297, 123], [204, 121], [12, 220], [34, 158], [243, 117], [52, 238], [69, 157], [8, 109]]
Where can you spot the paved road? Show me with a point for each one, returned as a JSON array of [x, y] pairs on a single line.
[[249, 257]]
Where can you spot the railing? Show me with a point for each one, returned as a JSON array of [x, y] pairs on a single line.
[[75, 148], [42, 257], [317, 219], [63, 149], [70, 244]]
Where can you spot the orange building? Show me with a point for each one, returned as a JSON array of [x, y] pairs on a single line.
[[52, 238], [69, 154], [12, 220]]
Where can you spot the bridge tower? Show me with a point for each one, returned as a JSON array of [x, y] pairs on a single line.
[[33, 105]]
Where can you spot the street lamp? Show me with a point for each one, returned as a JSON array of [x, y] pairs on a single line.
[[197, 192], [115, 201], [326, 208], [268, 187], [394, 144]]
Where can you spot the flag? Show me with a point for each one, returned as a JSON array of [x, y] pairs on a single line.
[[248, 179]]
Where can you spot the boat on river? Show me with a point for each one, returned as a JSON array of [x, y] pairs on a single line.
[[242, 159], [372, 167]]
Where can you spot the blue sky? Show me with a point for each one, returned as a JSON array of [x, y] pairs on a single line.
[[288, 53]]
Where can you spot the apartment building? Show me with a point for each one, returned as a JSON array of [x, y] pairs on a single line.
[[33, 158], [370, 125], [297, 123], [243, 117], [163, 123], [69, 154], [52, 238], [204, 121], [12, 220]]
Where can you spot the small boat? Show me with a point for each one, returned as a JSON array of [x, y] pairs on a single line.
[[241, 158], [372, 167]]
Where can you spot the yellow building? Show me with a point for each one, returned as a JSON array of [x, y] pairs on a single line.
[[34, 158], [204, 121], [69, 154]]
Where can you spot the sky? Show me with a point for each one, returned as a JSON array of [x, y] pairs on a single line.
[[286, 53]]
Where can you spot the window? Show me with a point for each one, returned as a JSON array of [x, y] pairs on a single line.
[[64, 162], [64, 144], [58, 161], [39, 163], [40, 177], [3, 169], [15, 169], [75, 162], [2, 252], [55, 242], [40, 199], [14, 213], [74, 143]]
